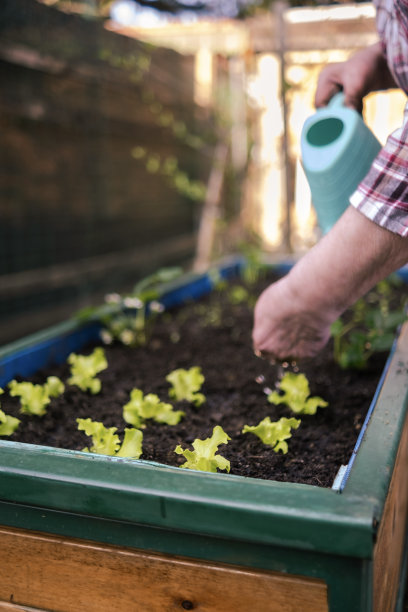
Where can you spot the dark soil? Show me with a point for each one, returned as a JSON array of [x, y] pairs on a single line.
[[215, 335]]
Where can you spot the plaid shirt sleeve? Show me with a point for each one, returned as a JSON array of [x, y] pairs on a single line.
[[383, 194]]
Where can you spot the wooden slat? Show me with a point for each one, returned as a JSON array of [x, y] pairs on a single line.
[[390, 541], [66, 575], [11, 607]]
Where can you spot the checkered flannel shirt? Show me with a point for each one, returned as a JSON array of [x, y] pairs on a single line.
[[383, 194]]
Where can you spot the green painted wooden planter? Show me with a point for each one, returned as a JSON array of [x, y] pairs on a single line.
[[346, 544]]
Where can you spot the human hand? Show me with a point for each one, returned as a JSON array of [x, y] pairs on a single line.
[[363, 72], [285, 327]]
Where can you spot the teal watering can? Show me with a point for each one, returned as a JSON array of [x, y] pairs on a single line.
[[337, 151]]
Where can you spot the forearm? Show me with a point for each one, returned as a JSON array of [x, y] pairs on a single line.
[[346, 263]]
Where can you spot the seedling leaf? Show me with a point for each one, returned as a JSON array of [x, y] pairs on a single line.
[[34, 398], [105, 440], [274, 434], [296, 395], [8, 424], [186, 385], [84, 369], [141, 407], [204, 457]]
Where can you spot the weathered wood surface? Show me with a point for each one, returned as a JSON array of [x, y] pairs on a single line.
[[66, 575], [391, 534]]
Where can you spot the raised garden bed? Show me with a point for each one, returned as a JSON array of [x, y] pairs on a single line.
[[291, 545]]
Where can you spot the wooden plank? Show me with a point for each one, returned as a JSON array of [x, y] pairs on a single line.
[[11, 607], [66, 575], [390, 540]]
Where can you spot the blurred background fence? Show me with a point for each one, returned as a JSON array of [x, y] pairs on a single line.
[[123, 149]]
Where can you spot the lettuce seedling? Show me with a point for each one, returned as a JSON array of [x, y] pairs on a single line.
[[186, 385], [274, 434], [8, 424], [84, 369], [142, 407], [204, 456], [105, 440], [35, 398], [296, 395]]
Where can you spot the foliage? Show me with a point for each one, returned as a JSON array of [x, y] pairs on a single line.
[[131, 317], [141, 407], [296, 393], [204, 456], [274, 434], [105, 441], [84, 369], [254, 266], [34, 398], [371, 327], [186, 385], [8, 424]]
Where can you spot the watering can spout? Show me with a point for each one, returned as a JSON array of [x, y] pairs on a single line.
[[337, 152]]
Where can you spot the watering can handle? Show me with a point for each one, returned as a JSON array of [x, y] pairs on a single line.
[[337, 100]]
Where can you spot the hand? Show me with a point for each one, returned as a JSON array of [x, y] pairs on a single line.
[[284, 328], [365, 71]]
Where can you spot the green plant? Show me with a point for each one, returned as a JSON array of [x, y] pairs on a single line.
[[131, 317], [254, 266], [369, 327], [186, 385], [84, 369], [274, 434], [142, 407], [296, 394], [204, 456], [34, 398], [8, 424], [105, 441]]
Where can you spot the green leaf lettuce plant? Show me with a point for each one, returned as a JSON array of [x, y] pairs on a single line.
[[35, 398], [8, 424], [274, 434], [204, 456], [296, 392], [142, 407], [84, 369], [105, 440], [186, 385]]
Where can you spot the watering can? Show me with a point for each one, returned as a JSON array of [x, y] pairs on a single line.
[[337, 151]]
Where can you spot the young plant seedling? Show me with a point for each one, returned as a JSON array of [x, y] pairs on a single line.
[[142, 407], [84, 369], [274, 434], [35, 398], [133, 326], [296, 394], [186, 385], [105, 440], [8, 424], [204, 457], [371, 327]]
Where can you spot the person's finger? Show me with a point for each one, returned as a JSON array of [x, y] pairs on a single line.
[[328, 84]]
